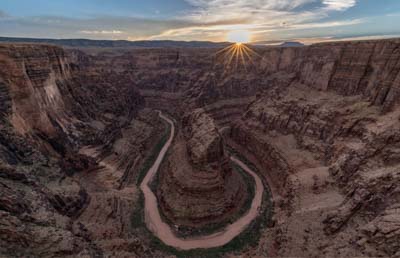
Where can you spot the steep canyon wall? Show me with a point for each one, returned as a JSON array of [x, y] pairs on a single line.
[[329, 107]]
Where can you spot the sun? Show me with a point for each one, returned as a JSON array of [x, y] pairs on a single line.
[[239, 36], [237, 55]]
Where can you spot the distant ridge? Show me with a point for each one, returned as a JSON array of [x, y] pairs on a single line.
[[274, 43], [117, 43], [291, 44]]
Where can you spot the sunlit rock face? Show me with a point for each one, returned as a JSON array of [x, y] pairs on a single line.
[[31, 74], [204, 143]]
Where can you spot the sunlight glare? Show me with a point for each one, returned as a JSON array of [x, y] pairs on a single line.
[[237, 55], [239, 36]]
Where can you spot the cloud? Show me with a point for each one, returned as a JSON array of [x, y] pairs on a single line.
[[3, 14], [105, 27], [104, 32], [205, 20], [328, 24], [339, 5], [259, 31], [264, 18], [251, 10], [253, 4], [393, 14]]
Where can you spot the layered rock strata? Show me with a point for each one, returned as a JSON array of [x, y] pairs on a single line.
[[334, 159], [320, 122], [197, 186], [48, 111]]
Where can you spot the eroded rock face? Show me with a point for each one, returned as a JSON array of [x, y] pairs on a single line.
[[204, 143], [309, 132], [198, 186], [46, 115], [31, 74], [319, 122], [383, 232], [35, 208]]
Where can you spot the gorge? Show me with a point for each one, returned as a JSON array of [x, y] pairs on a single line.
[[82, 145]]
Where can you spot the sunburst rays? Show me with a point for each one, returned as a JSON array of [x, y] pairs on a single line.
[[237, 56]]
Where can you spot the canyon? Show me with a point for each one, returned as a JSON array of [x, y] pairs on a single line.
[[163, 231], [80, 138]]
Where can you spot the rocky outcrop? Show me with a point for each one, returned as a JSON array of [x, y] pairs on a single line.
[[204, 143], [383, 233], [370, 178], [34, 209], [198, 186], [272, 160], [290, 129], [31, 74], [6, 100], [46, 114], [367, 68]]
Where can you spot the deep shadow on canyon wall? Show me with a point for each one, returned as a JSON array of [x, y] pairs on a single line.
[[55, 101]]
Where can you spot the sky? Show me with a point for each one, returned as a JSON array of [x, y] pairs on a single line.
[[266, 21]]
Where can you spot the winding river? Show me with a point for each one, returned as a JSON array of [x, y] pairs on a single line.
[[164, 232]]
